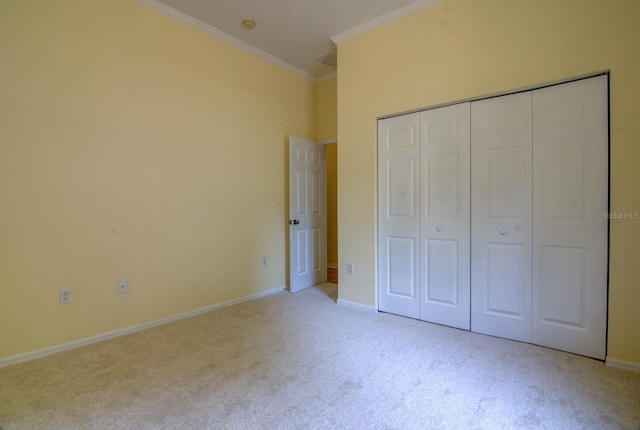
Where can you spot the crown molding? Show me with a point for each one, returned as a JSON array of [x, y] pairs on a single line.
[[382, 20], [214, 32]]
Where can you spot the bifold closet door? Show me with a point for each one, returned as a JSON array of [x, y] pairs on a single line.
[[501, 229], [445, 215], [490, 216], [398, 215], [539, 237], [570, 233], [423, 215]]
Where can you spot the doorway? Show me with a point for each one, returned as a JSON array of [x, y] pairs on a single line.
[[312, 206], [332, 210]]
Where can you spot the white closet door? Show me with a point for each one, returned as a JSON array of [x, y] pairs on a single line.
[[501, 211], [569, 230], [398, 220], [445, 215]]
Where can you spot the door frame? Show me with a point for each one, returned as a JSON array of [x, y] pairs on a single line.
[[328, 142]]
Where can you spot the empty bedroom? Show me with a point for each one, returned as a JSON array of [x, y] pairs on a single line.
[[364, 214]]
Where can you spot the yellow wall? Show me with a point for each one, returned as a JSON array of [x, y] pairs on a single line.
[[327, 109], [132, 146], [460, 49], [327, 125]]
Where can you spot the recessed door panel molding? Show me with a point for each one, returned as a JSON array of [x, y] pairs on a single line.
[[445, 221], [570, 233], [316, 159], [562, 286], [445, 130], [302, 241], [441, 185], [398, 222], [507, 169], [314, 201], [401, 196], [316, 245], [441, 263], [401, 135], [563, 188], [401, 269], [301, 190], [506, 284], [504, 121], [501, 228], [301, 153], [565, 114]]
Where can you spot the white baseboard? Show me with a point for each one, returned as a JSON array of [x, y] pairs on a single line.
[[357, 306], [621, 364], [14, 359]]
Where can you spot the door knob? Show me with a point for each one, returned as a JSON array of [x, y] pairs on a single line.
[[439, 228], [296, 222], [503, 231]]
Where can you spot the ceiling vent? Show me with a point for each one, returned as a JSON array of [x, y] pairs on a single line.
[[330, 58]]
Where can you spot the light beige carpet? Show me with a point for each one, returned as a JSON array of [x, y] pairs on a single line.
[[299, 361]]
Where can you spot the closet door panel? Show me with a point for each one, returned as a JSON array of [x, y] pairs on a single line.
[[570, 232], [506, 286], [501, 153], [445, 215], [400, 258], [441, 272], [398, 215]]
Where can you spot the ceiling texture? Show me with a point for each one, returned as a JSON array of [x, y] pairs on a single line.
[[295, 34]]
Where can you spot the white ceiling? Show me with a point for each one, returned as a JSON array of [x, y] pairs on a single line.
[[289, 32]]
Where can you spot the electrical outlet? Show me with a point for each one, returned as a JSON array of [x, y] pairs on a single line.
[[264, 261], [350, 269], [122, 286], [65, 296]]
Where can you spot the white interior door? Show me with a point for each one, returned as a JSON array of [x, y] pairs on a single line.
[[398, 221], [307, 214], [501, 196], [445, 215], [570, 232]]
